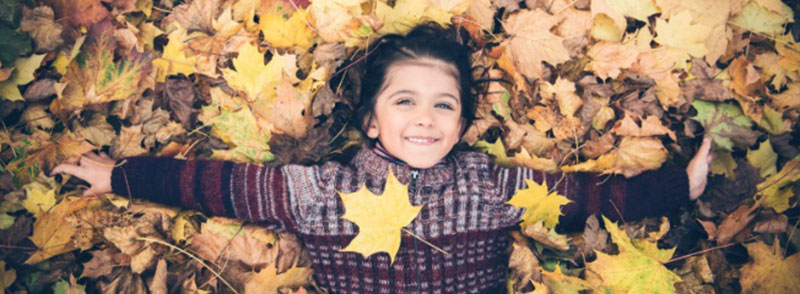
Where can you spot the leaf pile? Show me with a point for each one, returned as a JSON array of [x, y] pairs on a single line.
[[606, 86]]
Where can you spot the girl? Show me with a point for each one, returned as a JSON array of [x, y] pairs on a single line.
[[416, 103]]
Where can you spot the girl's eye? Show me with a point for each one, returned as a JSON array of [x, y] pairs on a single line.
[[444, 106], [403, 101]]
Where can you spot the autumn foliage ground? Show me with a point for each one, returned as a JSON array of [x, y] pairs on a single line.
[[607, 86]]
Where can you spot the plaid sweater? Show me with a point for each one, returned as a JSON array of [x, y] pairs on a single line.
[[464, 212]]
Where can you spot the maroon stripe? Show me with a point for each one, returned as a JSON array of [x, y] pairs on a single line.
[[187, 183]]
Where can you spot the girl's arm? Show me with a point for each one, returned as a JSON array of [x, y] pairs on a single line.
[[243, 191], [651, 193]]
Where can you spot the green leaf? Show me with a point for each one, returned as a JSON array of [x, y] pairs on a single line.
[[725, 124], [776, 191], [636, 269], [764, 158], [12, 43], [772, 122]]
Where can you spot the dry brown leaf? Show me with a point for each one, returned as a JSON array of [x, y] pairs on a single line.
[[531, 42], [129, 142], [523, 263], [735, 223], [39, 24], [609, 59], [745, 79], [159, 283], [103, 262], [771, 223], [268, 281]]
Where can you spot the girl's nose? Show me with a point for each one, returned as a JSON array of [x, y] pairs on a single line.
[[424, 118]]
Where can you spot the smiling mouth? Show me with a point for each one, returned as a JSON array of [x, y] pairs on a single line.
[[421, 140]]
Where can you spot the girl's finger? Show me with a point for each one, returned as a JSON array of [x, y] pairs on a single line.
[[68, 169], [706, 147]]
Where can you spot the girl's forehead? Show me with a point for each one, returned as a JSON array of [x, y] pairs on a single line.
[[434, 65]]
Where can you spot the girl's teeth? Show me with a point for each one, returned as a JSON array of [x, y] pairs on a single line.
[[420, 140]]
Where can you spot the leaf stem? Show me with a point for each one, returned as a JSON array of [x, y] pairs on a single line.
[[192, 256], [426, 242]]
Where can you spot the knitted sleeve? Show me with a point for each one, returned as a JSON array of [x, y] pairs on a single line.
[[244, 191], [651, 193]]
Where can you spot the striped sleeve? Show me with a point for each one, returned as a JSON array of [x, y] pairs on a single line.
[[244, 191], [651, 193]]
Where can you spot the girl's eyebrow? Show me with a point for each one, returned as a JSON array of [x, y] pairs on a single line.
[[412, 92]]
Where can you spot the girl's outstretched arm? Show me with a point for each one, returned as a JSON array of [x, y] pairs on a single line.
[[651, 193], [243, 191]]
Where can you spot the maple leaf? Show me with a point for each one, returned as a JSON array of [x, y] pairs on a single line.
[[764, 158], [24, 68], [725, 124], [609, 59], [530, 42], [679, 33], [380, 219], [269, 281], [237, 127], [280, 31], [769, 272], [253, 77], [559, 283], [196, 15], [98, 78], [78, 13], [496, 149], [651, 126], [38, 22], [176, 58], [401, 18], [539, 203], [40, 197], [776, 190], [42, 154], [616, 10], [51, 234], [759, 19], [7, 276], [636, 269]]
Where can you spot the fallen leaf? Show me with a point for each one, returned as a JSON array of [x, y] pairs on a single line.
[[775, 191], [40, 198], [281, 31], [7, 276], [771, 223], [540, 204], [237, 127], [380, 219], [523, 263], [546, 236], [39, 24], [76, 14], [763, 158], [176, 59], [129, 142], [609, 59], [268, 281], [103, 262], [559, 283], [159, 283], [531, 42], [24, 68], [735, 223], [758, 19], [769, 272], [725, 124], [634, 269], [51, 234], [745, 79]]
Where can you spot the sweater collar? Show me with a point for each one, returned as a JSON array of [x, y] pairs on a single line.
[[379, 150]]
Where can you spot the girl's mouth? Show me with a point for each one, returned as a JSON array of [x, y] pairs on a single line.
[[422, 140]]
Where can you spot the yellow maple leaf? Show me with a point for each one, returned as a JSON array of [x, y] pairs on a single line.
[[763, 158], [769, 272], [635, 269], [380, 219], [616, 10], [237, 126], [497, 149], [253, 77], [283, 31], [24, 67], [51, 234], [268, 281], [175, 59], [539, 204], [39, 197], [775, 191], [679, 32], [531, 42], [759, 19]]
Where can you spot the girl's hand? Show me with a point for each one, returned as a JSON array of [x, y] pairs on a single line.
[[698, 169], [92, 168]]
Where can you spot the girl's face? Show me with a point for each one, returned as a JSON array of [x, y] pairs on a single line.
[[417, 115]]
